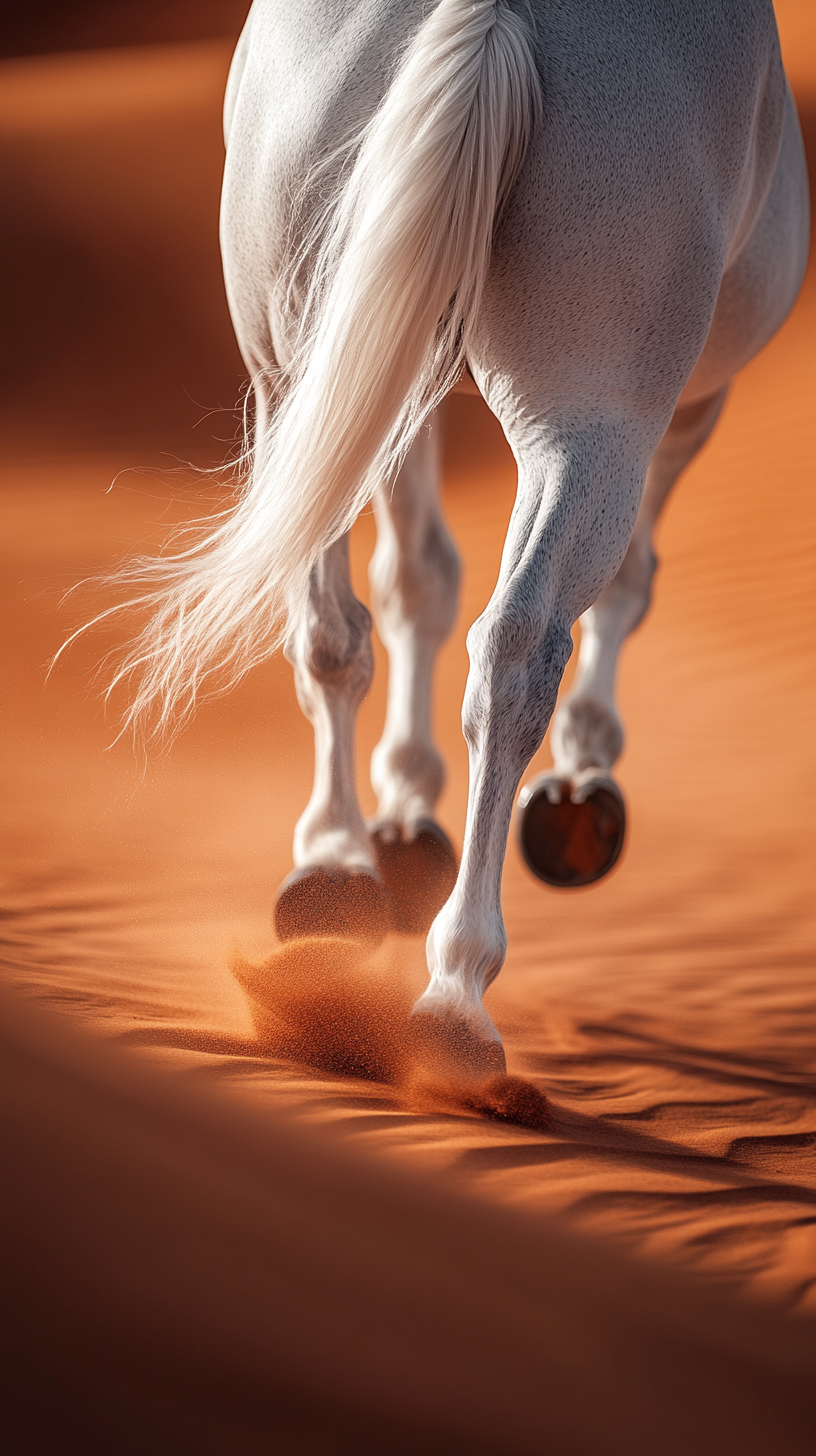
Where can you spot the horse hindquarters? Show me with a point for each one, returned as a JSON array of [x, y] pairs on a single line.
[[578, 799], [601, 291], [389, 290]]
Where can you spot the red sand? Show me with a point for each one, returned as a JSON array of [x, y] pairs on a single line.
[[664, 1012]]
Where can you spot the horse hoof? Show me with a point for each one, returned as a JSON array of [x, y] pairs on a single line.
[[567, 844], [447, 1045], [418, 873], [332, 900]]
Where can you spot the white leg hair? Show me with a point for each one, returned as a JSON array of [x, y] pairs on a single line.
[[414, 580], [586, 735], [574, 514], [332, 658]]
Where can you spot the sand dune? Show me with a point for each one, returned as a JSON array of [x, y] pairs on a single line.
[[188, 1277], [665, 1014]]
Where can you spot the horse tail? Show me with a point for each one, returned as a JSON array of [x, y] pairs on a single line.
[[396, 278]]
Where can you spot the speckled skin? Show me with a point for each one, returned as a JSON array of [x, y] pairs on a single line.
[[655, 239]]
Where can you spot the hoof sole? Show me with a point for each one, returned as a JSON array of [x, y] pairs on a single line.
[[418, 873], [566, 844], [331, 900]]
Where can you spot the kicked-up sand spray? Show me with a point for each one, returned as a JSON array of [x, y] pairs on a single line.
[[345, 1008]]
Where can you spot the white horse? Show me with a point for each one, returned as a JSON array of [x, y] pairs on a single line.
[[601, 211]]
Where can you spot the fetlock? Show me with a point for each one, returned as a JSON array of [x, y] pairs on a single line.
[[585, 734], [408, 779]]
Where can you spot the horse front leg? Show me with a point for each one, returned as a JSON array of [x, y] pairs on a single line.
[[572, 818], [414, 579], [571, 524], [335, 888]]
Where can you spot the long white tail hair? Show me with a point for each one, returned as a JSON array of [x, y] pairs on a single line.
[[395, 283]]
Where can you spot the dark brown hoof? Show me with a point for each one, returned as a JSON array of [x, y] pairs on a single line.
[[332, 900], [418, 873], [568, 844]]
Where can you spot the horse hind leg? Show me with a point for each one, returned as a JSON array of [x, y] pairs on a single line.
[[414, 578], [575, 510], [335, 888], [571, 821]]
